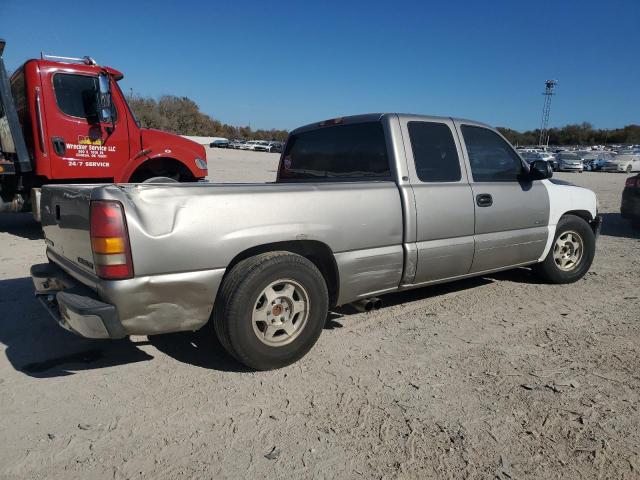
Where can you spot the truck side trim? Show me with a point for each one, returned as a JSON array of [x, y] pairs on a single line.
[[369, 271]]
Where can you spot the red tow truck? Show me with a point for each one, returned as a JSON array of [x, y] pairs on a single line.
[[65, 120]]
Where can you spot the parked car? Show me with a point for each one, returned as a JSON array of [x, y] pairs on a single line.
[[219, 143], [405, 201], [623, 162], [530, 156], [569, 162], [274, 147], [256, 145], [594, 161], [244, 145], [234, 144], [261, 146], [630, 205]]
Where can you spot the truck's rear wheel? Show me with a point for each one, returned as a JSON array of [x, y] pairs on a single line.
[[571, 252], [271, 309]]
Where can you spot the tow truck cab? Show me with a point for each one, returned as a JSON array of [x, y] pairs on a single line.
[[65, 120]]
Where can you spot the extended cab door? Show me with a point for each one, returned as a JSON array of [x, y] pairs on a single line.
[[443, 199], [79, 146], [511, 212]]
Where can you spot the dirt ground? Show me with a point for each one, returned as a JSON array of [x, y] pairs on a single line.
[[495, 377]]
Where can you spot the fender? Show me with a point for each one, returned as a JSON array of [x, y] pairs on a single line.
[[564, 198], [157, 144]]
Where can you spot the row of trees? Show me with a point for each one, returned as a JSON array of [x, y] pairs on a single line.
[[582, 134], [183, 116]]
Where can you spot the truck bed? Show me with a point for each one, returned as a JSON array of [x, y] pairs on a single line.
[[195, 227]]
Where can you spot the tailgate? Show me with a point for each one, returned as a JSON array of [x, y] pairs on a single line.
[[65, 222]]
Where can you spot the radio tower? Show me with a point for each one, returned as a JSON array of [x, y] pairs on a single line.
[[546, 110]]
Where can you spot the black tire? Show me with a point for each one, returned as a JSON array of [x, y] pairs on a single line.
[[241, 291], [160, 180], [549, 271]]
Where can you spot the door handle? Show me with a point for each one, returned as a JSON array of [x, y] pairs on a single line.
[[484, 200], [59, 146]]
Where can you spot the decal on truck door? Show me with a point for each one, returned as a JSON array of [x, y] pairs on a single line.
[[89, 152]]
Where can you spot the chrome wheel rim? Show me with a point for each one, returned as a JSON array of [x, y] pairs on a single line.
[[280, 312], [568, 250]]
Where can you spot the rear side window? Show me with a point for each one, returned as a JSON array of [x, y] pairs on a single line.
[[338, 153], [491, 158], [434, 152], [76, 95]]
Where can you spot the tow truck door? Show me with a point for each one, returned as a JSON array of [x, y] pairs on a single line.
[[79, 145]]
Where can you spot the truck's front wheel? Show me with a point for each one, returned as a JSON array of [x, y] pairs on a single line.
[[271, 309], [571, 252]]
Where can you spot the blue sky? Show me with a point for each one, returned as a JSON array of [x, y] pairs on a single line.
[[284, 64]]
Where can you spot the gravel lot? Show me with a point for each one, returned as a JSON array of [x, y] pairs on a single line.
[[495, 377]]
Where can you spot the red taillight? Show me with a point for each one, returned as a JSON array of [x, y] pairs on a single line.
[[110, 240]]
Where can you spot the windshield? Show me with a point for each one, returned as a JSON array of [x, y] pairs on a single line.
[[124, 99]]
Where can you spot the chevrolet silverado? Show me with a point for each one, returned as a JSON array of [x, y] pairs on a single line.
[[362, 206]]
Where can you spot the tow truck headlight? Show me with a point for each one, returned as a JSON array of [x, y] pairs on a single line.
[[201, 164]]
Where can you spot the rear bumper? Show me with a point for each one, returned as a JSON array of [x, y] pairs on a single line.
[[114, 309], [74, 307]]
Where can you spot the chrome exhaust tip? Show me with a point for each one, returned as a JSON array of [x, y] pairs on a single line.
[[367, 304]]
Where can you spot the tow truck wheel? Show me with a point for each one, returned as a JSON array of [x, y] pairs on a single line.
[[571, 252], [160, 180], [271, 309]]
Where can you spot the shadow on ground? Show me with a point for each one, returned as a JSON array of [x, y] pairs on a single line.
[[613, 225], [37, 346], [393, 299], [21, 225]]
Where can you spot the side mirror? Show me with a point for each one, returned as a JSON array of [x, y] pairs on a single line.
[[540, 169], [103, 102]]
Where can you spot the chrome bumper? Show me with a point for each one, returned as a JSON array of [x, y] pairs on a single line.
[[75, 307], [146, 305]]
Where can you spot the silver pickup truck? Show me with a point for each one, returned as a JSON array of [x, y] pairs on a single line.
[[362, 206]]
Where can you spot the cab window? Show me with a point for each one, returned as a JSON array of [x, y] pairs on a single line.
[[434, 152], [76, 95], [490, 157], [342, 153]]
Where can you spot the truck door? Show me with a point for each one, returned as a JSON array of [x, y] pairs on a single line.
[[443, 200], [511, 212], [79, 145]]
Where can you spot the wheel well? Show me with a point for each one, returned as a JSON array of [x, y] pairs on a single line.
[[316, 252], [585, 215], [162, 167]]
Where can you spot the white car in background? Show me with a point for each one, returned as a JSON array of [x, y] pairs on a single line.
[[257, 145], [569, 162], [625, 162]]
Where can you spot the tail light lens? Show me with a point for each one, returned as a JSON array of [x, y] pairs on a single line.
[[110, 240]]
